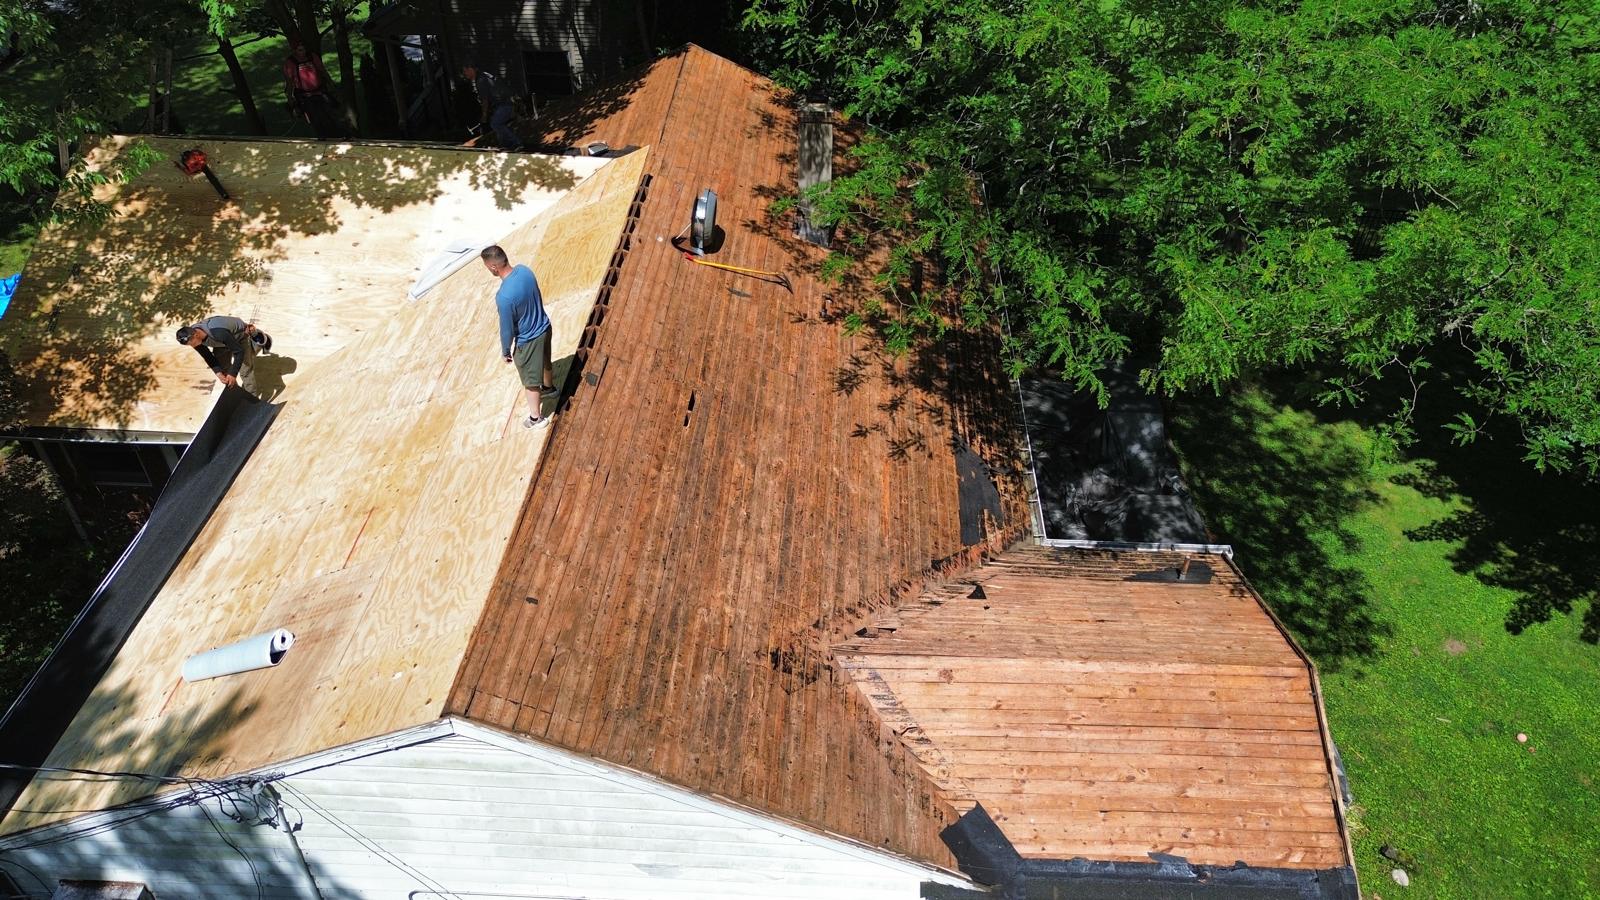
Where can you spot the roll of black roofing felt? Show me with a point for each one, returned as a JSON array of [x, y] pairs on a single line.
[[47, 705]]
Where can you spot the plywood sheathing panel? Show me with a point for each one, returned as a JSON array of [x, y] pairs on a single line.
[[742, 484], [318, 246], [1110, 719], [370, 521]]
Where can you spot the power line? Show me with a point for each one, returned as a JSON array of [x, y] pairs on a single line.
[[199, 791], [255, 876], [95, 773], [350, 831]]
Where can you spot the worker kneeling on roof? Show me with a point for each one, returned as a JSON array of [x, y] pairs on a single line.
[[229, 346]]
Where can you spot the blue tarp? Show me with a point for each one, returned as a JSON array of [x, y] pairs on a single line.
[[8, 286]]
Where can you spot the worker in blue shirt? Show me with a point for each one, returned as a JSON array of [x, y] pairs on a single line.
[[524, 330]]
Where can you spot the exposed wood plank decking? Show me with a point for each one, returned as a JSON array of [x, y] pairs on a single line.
[[737, 484], [1110, 719]]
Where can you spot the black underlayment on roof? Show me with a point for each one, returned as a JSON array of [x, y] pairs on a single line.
[[986, 856], [1107, 474], [47, 705], [976, 495]]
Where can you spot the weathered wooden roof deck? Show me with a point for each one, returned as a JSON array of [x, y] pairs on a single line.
[[1107, 718], [710, 569], [738, 483]]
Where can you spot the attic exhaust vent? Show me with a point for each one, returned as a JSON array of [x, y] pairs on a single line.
[[815, 133], [703, 224]]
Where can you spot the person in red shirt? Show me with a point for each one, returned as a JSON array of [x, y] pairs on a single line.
[[307, 94]]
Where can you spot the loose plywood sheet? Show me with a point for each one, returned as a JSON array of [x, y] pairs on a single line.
[[318, 246], [370, 521]]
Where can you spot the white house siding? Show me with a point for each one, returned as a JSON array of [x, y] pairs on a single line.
[[485, 814], [178, 853], [598, 36]]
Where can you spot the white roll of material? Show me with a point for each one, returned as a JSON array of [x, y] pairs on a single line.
[[260, 652]]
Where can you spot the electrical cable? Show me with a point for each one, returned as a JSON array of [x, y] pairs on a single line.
[[32, 873], [137, 776], [254, 875], [199, 791], [350, 831]]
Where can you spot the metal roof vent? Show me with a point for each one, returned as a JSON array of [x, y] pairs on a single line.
[[703, 222]]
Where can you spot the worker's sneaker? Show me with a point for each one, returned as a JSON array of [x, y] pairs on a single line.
[[535, 421]]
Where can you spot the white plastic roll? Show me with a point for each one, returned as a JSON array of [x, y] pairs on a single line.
[[260, 652], [455, 255]]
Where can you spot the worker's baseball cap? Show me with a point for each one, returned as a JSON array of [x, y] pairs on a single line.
[[184, 334]]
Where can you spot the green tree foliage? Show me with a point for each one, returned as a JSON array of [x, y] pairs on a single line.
[[1233, 185], [88, 63]]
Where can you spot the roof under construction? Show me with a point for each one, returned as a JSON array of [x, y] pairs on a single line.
[[730, 562], [317, 244]]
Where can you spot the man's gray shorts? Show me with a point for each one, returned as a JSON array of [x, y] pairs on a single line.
[[531, 358]]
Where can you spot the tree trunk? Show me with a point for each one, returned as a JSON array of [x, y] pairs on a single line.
[[646, 43], [397, 83], [166, 98], [150, 103], [355, 109], [241, 87]]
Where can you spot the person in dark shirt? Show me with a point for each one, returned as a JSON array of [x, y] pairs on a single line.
[[525, 331], [229, 345], [494, 107], [308, 96]]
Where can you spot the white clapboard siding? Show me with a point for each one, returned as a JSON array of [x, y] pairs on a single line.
[[455, 809], [178, 852]]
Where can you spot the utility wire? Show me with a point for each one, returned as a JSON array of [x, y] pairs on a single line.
[[95, 773], [32, 873], [254, 875], [350, 831], [199, 791]]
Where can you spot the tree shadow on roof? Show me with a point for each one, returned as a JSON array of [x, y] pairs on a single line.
[[1281, 488], [173, 252], [948, 385], [159, 836], [111, 742], [572, 121]]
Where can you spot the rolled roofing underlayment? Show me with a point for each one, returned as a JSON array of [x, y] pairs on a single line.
[[455, 255], [262, 651], [50, 701]]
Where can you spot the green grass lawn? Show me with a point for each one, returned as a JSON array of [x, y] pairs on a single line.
[[1404, 575]]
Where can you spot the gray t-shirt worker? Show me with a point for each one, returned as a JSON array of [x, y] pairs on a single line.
[[224, 342], [524, 330], [495, 110]]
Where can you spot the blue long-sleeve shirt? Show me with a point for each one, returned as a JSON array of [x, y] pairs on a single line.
[[521, 309]]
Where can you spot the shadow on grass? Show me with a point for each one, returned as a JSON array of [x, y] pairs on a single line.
[[1537, 535], [1534, 534], [1280, 488]]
